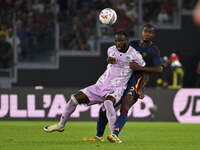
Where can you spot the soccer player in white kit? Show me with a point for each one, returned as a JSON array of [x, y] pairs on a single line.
[[109, 87]]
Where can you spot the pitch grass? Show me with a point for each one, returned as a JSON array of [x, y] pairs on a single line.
[[18, 135]]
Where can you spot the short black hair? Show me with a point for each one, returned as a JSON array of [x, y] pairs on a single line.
[[122, 33], [149, 26]]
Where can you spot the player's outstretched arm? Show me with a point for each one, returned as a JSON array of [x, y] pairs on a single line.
[[142, 83], [153, 69], [111, 60]]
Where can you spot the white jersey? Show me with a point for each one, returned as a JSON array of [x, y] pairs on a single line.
[[117, 75]]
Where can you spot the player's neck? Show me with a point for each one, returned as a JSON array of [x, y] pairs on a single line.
[[125, 49], [145, 43]]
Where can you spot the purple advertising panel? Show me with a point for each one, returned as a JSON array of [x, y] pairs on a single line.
[[48, 104], [186, 105]]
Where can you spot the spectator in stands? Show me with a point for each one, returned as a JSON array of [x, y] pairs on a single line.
[[170, 10], [23, 37], [48, 16], [150, 10], [80, 40], [5, 52], [38, 5], [89, 23], [8, 6], [13, 40], [4, 30], [162, 17], [73, 7], [121, 5], [124, 23], [131, 13]]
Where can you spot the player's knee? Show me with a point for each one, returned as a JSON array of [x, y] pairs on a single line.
[[81, 98], [73, 100]]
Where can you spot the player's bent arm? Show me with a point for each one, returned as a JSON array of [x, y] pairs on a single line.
[[142, 83], [111, 60], [152, 69]]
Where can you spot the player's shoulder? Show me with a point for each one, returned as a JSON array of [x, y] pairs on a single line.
[[155, 49], [134, 52], [113, 47], [133, 42], [131, 49]]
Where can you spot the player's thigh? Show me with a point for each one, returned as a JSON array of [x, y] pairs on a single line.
[[81, 98], [128, 101]]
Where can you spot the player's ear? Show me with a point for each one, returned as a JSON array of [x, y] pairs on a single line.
[[127, 41]]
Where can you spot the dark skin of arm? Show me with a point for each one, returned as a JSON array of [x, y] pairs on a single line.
[[111, 60], [152, 69], [128, 101], [142, 83]]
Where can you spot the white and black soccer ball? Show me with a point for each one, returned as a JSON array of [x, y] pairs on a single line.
[[108, 16]]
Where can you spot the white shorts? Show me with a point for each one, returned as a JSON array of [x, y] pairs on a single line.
[[97, 93]]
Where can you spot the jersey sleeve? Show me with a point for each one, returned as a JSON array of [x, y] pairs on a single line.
[[138, 59], [156, 60], [110, 51]]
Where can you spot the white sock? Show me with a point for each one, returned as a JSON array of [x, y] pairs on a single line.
[[111, 114], [70, 108]]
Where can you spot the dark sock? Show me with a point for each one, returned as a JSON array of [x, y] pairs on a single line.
[[101, 125], [120, 121]]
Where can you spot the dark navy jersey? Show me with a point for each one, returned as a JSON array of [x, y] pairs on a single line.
[[150, 54]]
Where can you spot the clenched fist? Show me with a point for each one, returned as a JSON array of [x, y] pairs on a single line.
[[133, 65], [140, 94], [111, 60]]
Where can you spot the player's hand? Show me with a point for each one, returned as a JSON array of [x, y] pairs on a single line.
[[140, 94], [111, 60], [133, 65]]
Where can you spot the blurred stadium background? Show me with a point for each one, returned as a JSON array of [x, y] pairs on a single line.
[[58, 42], [56, 47]]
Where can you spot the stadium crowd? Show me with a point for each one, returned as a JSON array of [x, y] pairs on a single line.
[[34, 24]]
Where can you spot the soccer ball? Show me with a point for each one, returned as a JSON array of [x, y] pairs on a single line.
[[108, 16]]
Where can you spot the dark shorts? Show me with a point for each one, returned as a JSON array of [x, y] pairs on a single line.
[[133, 84]]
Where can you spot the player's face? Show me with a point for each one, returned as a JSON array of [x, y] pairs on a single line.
[[148, 33], [121, 43]]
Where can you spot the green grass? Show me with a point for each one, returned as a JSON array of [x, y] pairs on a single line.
[[18, 135]]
